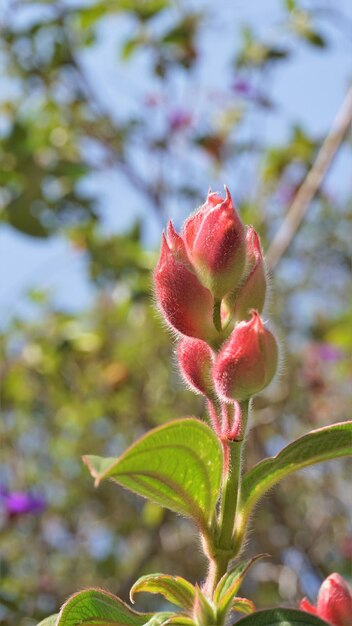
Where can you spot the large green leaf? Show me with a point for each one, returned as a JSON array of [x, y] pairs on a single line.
[[319, 445], [95, 607], [49, 621], [178, 465], [175, 589], [281, 617]]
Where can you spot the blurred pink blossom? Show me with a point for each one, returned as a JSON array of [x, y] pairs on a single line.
[[179, 119]]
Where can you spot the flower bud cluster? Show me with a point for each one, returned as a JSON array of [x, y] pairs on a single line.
[[210, 285]]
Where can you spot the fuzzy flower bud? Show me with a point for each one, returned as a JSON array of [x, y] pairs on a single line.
[[196, 360], [214, 238], [251, 294], [247, 362], [186, 304], [334, 603]]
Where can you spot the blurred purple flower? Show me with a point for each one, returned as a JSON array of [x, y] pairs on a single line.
[[17, 503], [179, 119], [242, 87], [328, 352]]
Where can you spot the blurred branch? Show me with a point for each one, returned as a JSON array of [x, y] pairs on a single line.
[[311, 183], [152, 192]]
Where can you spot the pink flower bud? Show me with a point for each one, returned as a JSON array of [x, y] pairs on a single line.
[[196, 360], [186, 304], [306, 606], [334, 603], [177, 246], [214, 237], [247, 362], [251, 294]]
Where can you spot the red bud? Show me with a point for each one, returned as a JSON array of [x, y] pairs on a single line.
[[251, 294], [334, 602], [247, 362], [186, 304], [215, 242], [177, 246], [306, 606], [196, 360]]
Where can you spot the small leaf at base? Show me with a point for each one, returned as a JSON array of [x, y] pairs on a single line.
[[49, 621], [230, 583], [180, 620], [175, 589], [160, 619], [242, 605], [98, 607]]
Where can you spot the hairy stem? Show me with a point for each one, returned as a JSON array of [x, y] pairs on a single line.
[[217, 569], [229, 495], [224, 548], [223, 552], [215, 415], [217, 315]]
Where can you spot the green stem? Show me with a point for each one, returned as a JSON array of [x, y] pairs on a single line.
[[217, 315], [232, 483], [224, 548], [217, 569], [229, 496], [244, 407], [240, 531]]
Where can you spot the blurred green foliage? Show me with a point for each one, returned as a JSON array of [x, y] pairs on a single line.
[[93, 381]]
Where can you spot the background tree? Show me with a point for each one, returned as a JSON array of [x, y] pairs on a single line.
[[149, 119]]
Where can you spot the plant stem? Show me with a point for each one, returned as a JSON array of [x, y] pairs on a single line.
[[217, 315], [229, 495], [240, 530], [217, 569], [232, 483], [224, 549]]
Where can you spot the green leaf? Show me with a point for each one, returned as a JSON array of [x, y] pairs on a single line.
[[281, 617], [230, 583], [174, 588], [159, 619], [88, 16], [242, 605], [95, 607], [129, 47], [178, 466], [19, 215], [143, 9], [316, 39], [319, 445], [204, 610], [49, 621], [290, 5], [180, 620]]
